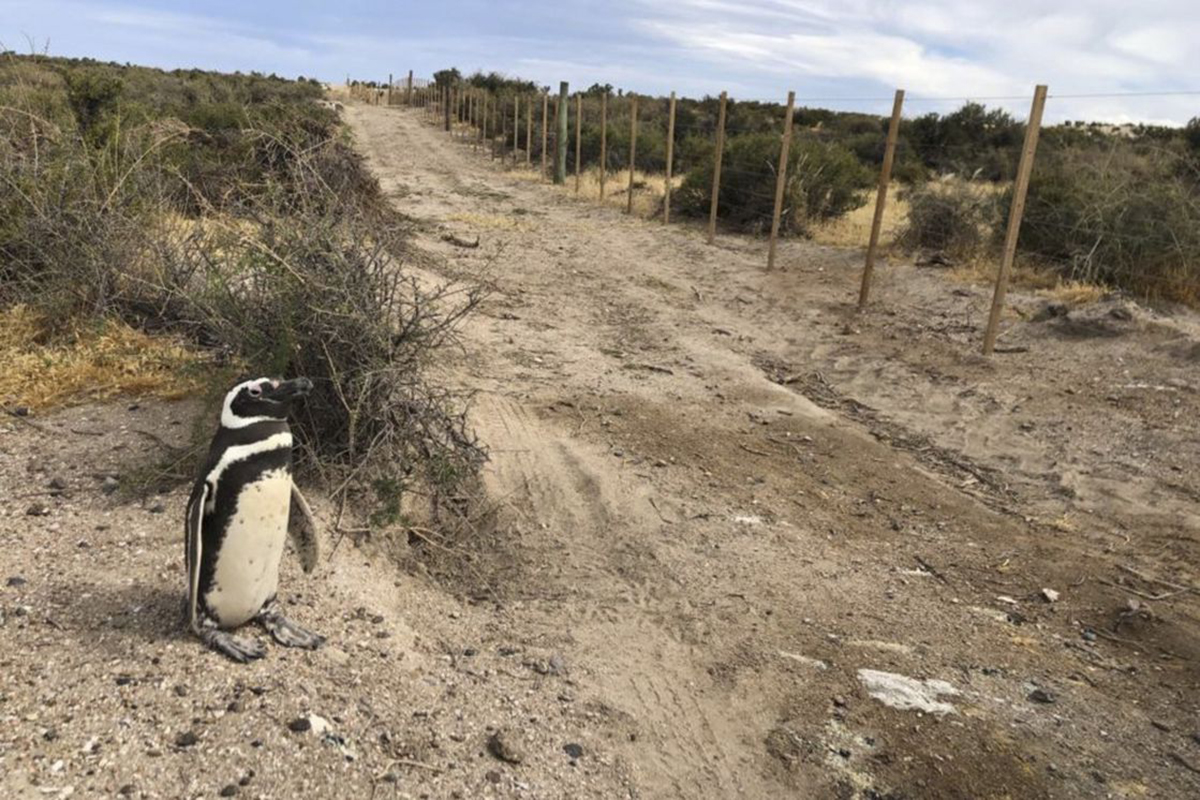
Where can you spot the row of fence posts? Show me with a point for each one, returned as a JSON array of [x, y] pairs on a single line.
[[478, 109]]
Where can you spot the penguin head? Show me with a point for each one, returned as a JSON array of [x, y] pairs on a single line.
[[262, 400]]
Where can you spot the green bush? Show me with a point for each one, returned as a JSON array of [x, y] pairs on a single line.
[[93, 96], [954, 217], [824, 181], [1125, 216]]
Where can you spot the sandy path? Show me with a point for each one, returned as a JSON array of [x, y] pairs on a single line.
[[693, 533]]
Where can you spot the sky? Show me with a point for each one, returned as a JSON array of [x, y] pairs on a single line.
[[844, 54]]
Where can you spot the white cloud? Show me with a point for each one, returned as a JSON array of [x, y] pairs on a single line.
[[952, 48]]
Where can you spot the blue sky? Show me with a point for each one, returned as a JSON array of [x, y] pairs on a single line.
[[854, 49]]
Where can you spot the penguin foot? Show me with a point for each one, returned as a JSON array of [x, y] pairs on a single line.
[[286, 632], [239, 649]]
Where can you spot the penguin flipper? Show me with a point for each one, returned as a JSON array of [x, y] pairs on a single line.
[[194, 542], [302, 528]]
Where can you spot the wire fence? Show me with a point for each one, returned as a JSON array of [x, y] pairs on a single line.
[[1116, 206]]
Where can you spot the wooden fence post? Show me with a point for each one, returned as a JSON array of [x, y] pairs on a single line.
[[560, 146], [670, 157], [529, 133], [632, 150], [716, 184], [503, 133], [1020, 189], [545, 128], [389, 88], [408, 91], [446, 107], [578, 135], [516, 127], [486, 112], [603, 141], [885, 178], [781, 179]]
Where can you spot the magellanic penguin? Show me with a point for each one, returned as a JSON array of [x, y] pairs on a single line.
[[242, 508]]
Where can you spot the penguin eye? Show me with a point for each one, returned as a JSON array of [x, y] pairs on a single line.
[[254, 391]]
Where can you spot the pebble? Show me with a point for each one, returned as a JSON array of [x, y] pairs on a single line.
[[1042, 696], [229, 790], [186, 739], [38, 510], [109, 485], [499, 745], [573, 750], [300, 725], [157, 508], [15, 581], [493, 776], [180, 690]]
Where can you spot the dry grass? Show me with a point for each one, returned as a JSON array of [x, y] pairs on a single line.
[[491, 221], [648, 189], [854, 229], [1031, 276], [94, 363], [1075, 293]]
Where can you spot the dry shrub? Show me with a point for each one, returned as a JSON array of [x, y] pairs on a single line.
[[285, 259], [1126, 216], [328, 298], [950, 216]]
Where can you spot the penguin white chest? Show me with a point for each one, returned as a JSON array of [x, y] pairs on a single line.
[[247, 568]]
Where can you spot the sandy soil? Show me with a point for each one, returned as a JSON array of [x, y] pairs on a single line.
[[722, 498]]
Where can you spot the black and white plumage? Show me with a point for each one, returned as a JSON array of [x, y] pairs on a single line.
[[241, 510]]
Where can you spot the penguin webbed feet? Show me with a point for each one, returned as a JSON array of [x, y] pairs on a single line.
[[286, 632], [235, 647]]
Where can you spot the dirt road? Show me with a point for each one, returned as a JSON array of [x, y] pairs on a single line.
[[700, 537], [748, 545]]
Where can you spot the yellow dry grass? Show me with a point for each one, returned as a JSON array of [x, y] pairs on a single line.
[[854, 229], [1075, 293], [1031, 276], [93, 363], [648, 189], [491, 221]]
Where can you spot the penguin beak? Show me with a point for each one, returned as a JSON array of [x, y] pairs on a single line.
[[287, 391]]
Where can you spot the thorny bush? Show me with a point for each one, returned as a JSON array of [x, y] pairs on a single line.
[[260, 236]]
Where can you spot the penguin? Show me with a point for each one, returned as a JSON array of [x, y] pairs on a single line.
[[242, 508]]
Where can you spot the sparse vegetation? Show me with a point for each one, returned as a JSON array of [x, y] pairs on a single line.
[[1114, 205], [955, 217], [824, 181], [1122, 215], [228, 212]]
